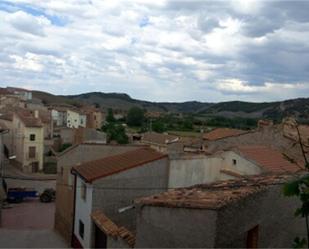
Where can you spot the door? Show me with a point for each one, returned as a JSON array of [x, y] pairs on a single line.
[[253, 237], [35, 167], [100, 238]]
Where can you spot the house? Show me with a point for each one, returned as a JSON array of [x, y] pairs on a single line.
[[243, 213], [72, 119], [273, 136], [158, 141], [111, 184], [22, 93], [95, 118], [187, 170], [28, 140], [81, 135], [68, 117], [89, 135], [74, 155], [220, 133]]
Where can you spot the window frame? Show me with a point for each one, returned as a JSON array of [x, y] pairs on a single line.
[[32, 137], [83, 191], [81, 229]]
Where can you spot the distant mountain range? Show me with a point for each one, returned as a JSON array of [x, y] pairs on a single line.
[[298, 108]]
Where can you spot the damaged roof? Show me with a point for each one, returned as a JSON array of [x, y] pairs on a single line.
[[213, 196], [111, 229], [110, 165]]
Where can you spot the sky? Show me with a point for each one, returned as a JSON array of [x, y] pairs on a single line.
[[158, 50]]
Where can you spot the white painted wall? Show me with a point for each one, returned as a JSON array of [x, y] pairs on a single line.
[[83, 209], [201, 169], [72, 119]]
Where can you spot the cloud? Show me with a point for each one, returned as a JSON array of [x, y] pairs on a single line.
[[158, 50], [25, 22]]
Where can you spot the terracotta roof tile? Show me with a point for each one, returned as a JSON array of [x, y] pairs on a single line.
[[28, 119], [106, 166], [213, 196], [220, 133], [111, 229], [271, 160], [104, 223]]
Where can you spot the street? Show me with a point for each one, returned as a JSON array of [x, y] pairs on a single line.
[[29, 224]]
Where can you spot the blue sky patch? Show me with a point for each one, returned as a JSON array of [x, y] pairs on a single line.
[[12, 7]]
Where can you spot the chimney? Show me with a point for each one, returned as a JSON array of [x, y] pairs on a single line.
[[36, 114]]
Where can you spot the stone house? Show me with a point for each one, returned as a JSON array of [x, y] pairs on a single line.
[[159, 141], [28, 140], [110, 185], [75, 155], [243, 213], [187, 170], [273, 136], [95, 118]]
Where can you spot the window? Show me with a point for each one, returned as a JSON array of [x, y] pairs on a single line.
[[253, 237], [32, 151], [32, 137], [81, 229], [234, 162], [83, 191]]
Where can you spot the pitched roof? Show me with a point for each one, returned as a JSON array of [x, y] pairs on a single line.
[[220, 133], [158, 138], [28, 119], [213, 196], [111, 229], [271, 160], [110, 165]]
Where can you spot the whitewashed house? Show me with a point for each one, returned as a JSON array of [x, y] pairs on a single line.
[[106, 186]]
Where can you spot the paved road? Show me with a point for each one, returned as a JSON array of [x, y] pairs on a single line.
[[31, 214], [45, 238], [29, 224]]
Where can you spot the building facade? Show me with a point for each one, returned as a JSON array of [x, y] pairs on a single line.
[[28, 140], [75, 155], [113, 186], [243, 213]]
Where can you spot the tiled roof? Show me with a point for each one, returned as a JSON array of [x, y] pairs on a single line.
[[106, 166], [158, 138], [28, 119], [111, 229], [220, 133], [271, 160], [213, 196]]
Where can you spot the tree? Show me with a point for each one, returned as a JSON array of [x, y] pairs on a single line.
[[110, 116], [158, 126], [115, 132], [135, 116]]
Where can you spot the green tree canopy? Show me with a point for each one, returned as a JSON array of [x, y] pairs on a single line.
[[115, 132], [110, 116], [135, 116]]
